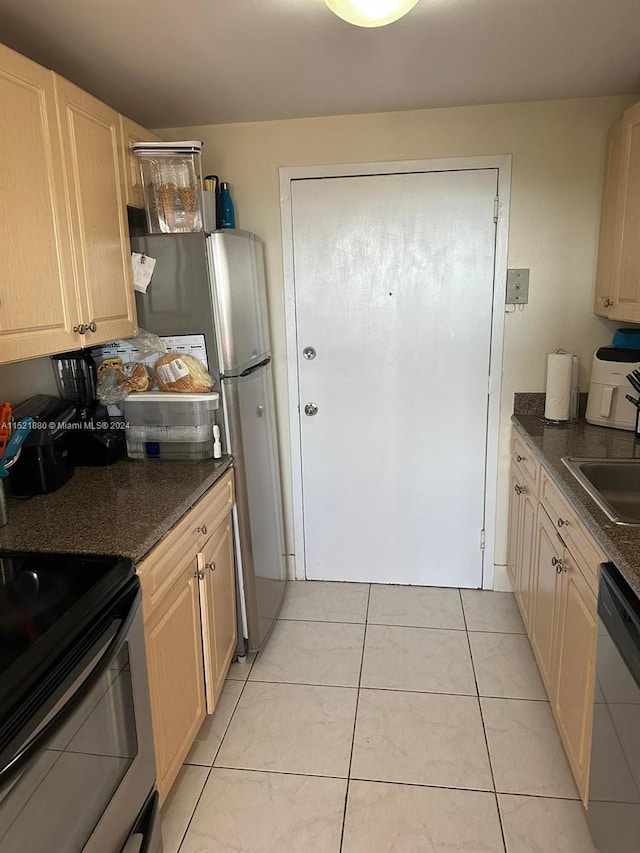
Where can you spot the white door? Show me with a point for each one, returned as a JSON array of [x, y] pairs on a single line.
[[394, 278]]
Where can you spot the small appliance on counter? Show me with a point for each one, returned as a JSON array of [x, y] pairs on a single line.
[[44, 464], [170, 425], [95, 439], [607, 404]]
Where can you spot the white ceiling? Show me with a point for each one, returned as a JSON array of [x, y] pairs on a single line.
[[168, 63]]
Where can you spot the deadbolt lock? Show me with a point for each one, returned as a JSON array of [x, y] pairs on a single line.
[[311, 409], [309, 353]]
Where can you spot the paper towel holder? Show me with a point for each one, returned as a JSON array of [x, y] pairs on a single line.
[[573, 392]]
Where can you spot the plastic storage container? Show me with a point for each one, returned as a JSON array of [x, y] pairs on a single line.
[[168, 425], [171, 177]]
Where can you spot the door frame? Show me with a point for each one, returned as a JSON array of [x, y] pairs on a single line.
[[288, 174]]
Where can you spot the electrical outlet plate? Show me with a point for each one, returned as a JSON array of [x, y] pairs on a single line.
[[517, 287]]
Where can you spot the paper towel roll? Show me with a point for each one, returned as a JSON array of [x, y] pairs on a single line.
[[562, 386]]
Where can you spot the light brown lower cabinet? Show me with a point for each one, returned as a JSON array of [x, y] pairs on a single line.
[[575, 669], [545, 596], [176, 674], [554, 572], [189, 605], [218, 608], [523, 509]]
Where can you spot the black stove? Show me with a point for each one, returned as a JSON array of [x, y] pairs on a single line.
[[77, 767], [46, 602]]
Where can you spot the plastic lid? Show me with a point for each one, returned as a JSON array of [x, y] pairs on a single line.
[[171, 397], [627, 338], [189, 146]]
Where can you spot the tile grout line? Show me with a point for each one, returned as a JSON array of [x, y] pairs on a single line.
[[184, 764], [484, 729], [355, 720], [298, 774]]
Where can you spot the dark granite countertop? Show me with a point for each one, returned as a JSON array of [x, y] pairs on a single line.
[[122, 509], [621, 543]]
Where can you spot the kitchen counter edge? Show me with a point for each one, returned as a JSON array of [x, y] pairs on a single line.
[[123, 510]]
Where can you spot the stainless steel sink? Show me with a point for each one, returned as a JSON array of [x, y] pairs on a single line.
[[614, 484]]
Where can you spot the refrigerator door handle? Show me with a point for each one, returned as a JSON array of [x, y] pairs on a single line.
[[248, 370]]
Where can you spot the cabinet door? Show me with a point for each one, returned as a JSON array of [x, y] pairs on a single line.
[[514, 526], [545, 595], [218, 601], [176, 676], [38, 302], [575, 679], [130, 134], [608, 268], [91, 142], [526, 551]]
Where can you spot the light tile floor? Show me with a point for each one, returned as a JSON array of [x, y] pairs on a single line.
[[381, 718]]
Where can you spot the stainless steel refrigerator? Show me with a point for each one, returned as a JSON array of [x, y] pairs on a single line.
[[215, 285]]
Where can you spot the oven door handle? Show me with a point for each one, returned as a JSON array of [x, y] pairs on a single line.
[[26, 752]]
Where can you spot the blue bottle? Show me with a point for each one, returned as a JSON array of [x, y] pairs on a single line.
[[226, 206]]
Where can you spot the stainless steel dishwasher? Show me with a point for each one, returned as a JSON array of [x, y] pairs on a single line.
[[614, 782]]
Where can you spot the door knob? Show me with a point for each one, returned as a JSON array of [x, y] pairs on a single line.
[[309, 353], [311, 409]]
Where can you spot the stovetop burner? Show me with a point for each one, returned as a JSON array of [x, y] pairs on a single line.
[[46, 601]]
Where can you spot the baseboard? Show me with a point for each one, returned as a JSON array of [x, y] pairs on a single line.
[[501, 580]]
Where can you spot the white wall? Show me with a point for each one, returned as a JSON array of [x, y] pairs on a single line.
[[25, 378], [558, 158]]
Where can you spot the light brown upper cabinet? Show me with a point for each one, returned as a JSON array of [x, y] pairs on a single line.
[[91, 143], [130, 134], [618, 271], [38, 299], [66, 273]]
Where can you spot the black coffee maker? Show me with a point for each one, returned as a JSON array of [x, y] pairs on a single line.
[[96, 439]]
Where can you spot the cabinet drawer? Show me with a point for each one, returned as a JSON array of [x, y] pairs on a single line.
[[212, 507], [525, 462], [168, 559], [577, 539]]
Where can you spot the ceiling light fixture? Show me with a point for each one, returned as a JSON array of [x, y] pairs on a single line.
[[370, 13]]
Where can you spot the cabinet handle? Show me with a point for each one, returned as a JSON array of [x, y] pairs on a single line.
[[563, 522], [607, 302], [210, 566], [521, 458], [557, 563], [200, 574], [202, 529], [83, 328], [519, 490]]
